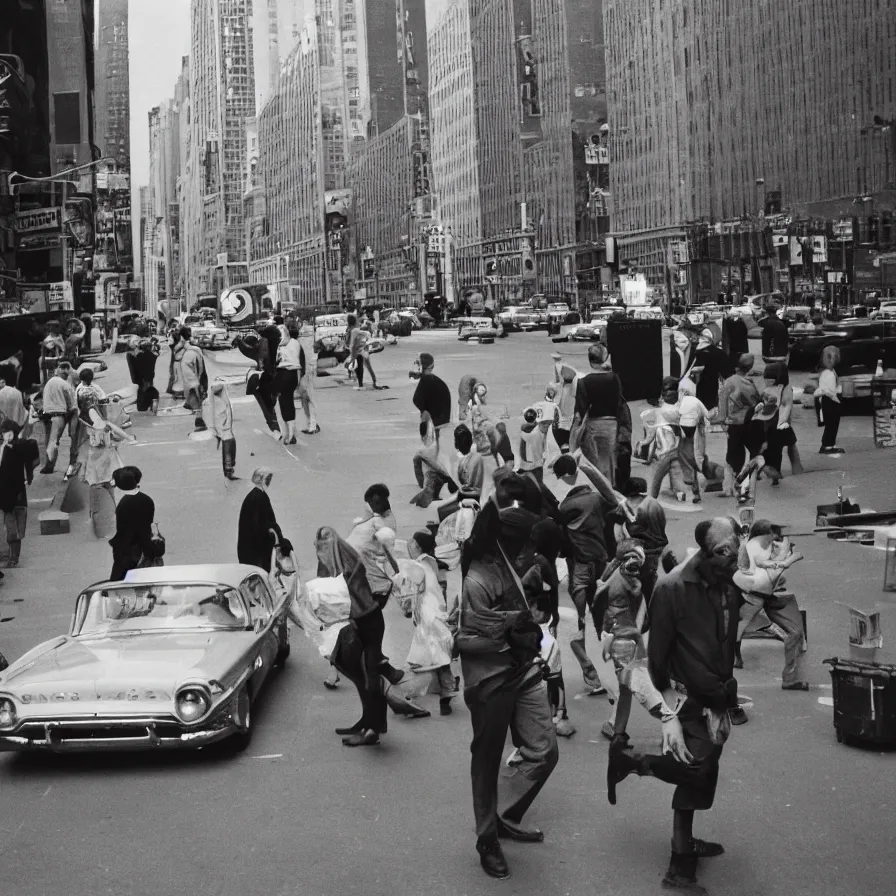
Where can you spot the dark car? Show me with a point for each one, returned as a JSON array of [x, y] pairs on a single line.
[[862, 343]]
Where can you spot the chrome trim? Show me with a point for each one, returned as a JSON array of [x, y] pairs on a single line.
[[22, 742]]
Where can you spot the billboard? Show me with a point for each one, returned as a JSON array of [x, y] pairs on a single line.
[[39, 219], [528, 83]]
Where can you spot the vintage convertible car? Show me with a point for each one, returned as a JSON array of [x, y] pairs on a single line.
[[170, 658], [862, 343]]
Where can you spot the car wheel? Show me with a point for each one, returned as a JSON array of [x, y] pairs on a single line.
[[241, 740]]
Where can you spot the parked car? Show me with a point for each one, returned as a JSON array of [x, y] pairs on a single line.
[[557, 311], [862, 343], [530, 319], [329, 341], [173, 657], [559, 330], [208, 333]]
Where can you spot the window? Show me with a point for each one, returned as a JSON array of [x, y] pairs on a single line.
[[255, 591], [67, 112]]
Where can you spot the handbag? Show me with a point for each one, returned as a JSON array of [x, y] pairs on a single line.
[[252, 378], [158, 542]]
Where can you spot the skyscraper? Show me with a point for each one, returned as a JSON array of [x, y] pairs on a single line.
[[222, 99], [715, 107], [113, 108], [511, 110], [301, 169]]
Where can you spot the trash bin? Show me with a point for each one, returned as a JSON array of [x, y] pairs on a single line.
[[864, 701]]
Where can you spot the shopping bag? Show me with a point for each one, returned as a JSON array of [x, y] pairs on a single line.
[[329, 599]]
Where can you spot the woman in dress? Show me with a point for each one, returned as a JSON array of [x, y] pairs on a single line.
[[258, 532]]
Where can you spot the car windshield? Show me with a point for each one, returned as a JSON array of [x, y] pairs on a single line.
[[160, 607]]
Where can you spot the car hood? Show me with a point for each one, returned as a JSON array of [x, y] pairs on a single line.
[[124, 667]]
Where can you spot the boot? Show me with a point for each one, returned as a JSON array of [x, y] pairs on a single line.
[[796, 465], [445, 706], [619, 766], [290, 433], [682, 874]]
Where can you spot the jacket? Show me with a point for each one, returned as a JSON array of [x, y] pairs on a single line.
[[737, 396], [15, 472], [693, 630]]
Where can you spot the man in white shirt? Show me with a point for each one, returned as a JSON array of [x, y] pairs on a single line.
[[60, 407]]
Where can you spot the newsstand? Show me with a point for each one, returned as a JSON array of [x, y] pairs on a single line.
[[864, 701]]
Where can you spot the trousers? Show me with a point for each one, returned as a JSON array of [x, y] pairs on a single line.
[[695, 785], [228, 455], [507, 793], [286, 382], [784, 611], [583, 576], [264, 395], [596, 437], [358, 656], [688, 460]]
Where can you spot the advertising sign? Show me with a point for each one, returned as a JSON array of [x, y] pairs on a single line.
[[39, 219], [527, 75], [60, 296]]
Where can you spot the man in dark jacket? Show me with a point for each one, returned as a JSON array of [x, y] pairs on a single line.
[[499, 643], [17, 462], [694, 616], [260, 381], [775, 339]]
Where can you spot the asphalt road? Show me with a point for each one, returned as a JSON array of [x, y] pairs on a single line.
[[300, 814]]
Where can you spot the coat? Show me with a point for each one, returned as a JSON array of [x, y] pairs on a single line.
[[15, 472], [217, 411], [254, 543], [132, 541]]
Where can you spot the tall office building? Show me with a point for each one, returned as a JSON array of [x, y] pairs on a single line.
[[521, 193], [720, 111], [389, 173], [222, 99], [113, 107], [301, 167]]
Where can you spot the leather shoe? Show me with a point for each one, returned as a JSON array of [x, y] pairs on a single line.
[[390, 673], [522, 835], [362, 739], [491, 857], [619, 766], [353, 729], [705, 849], [737, 716]]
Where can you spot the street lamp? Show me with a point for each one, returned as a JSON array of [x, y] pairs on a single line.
[[24, 177]]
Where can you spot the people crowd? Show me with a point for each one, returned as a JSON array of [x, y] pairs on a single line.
[[481, 584]]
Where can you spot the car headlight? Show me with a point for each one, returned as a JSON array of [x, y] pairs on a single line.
[[192, 703], [9, 718]]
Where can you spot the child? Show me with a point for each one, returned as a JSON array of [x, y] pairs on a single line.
[[619, 612], [433, 642], [219, 412], [827, 400]]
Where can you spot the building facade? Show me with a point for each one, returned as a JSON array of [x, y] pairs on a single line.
[[222, 99], [502, 144], [113, 102], [725, 112], [47, 229], [301, 170]]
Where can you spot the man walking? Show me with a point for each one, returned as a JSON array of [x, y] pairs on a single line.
[[693, 630], [59, 409], [433, 398], [585, 496], [499, 643]]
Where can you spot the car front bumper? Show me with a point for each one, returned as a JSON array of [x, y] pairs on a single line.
[[114, 735]]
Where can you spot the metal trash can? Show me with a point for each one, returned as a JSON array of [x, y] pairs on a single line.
[[864, 701]]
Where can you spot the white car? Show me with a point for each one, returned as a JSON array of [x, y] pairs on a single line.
[[557, 311]]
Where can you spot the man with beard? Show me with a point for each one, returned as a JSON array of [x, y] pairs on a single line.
[[499, 644], [694, 617]]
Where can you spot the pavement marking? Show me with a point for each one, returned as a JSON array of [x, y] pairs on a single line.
[[826, 701], [268, 756]]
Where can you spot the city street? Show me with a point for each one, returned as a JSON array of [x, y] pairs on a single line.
[[298, 813]]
